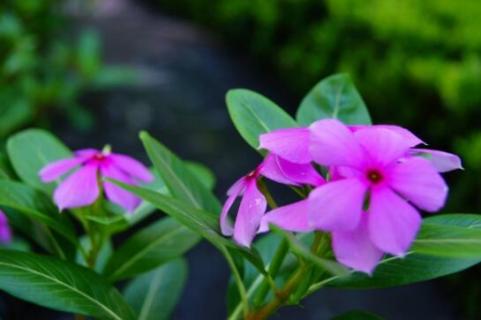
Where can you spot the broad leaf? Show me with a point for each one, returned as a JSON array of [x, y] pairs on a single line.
[[154, 295], [416, 267], [60, 285], [30, 150], [180, 181], [35, 205], [254, 114], [333, 97], [149, 248]]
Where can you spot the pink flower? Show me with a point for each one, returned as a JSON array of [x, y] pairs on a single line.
[[377, 181], [82, 186], [5, 231], [253, 204]]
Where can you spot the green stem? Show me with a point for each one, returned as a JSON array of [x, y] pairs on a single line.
[[265, 191], [238, 280], [274, 267]]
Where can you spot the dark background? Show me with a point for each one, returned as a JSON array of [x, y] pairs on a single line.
[[99, 72]]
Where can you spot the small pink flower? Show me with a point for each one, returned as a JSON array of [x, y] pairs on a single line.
[[253, 204], [5, 231], [81, 187], [377, 180]]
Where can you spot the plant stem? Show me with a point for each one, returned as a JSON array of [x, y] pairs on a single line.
[[274, 267], [238, 280], [265, 191]]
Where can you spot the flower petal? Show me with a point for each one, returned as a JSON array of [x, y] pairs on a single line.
[[5, 231], [56, 169], [411, 138], [333, 144], [286, 172], [393, 223], [355, 249], [337, 205], [419, 182], [291, 144], [235, 191], [79, 189], [383, 146], [116, 194], [252, 207], [442, 161], [292, 217], [132, 167]]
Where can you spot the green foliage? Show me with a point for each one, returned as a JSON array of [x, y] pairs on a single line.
[[154, 295], [41, 71], [60, 285]]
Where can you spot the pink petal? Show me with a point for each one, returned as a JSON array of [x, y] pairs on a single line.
[[419, 182], [355, 249], [411, 138], [286, 172], [442, 161], [79, 189], [56, 169], [292, 217], [383, 146], [337, 205], [236, 190], [393, 223], [132, 167], [116, 194], [333, 144], [291, 144], [252, 207], [5, 231]]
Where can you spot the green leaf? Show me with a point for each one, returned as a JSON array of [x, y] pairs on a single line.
[[202, 173], [333, 97], [203, 223], [14, 115], [454, 235], [154, 295], [357, 315], [416, 267], [60, 285], [254, 114], [30, 150], [149, 248], [180, 181], [35, 205]]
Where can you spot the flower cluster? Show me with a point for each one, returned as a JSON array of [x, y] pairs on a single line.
[[83, 186], [369, 199]]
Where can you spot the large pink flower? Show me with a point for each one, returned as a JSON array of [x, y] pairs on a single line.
[[253, 204], [377, 181], [81, 187]]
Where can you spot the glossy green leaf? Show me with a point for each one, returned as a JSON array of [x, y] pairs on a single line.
[[254, 114], [35, 205], [30, 150], [149, 248], [180, 181], [60, 285], [333, 97], [153, 296], [416, 267]]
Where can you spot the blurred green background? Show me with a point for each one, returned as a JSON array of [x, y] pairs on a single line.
[[416, 63]]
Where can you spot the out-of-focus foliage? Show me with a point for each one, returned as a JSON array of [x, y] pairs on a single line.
[[42, 69], [417, 63]]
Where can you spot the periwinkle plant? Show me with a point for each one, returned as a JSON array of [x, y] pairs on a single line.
[[357, 222]]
